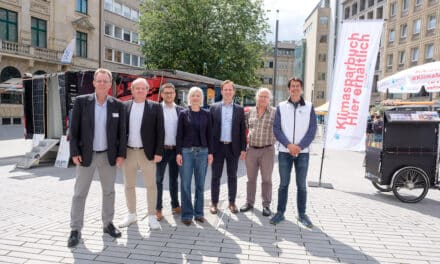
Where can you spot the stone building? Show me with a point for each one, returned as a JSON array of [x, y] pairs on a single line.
[[35, 33]]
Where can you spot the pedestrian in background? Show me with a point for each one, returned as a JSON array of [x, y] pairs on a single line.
[[170, 113], [377, 130], [260, 152], [97, 137], [145, 134], [194, 154]]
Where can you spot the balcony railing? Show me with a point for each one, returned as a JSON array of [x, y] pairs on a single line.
[[29, 51]]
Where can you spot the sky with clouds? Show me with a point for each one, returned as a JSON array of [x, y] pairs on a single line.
[[291, 17]]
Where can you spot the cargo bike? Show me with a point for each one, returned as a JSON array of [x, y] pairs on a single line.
[[406, 160]]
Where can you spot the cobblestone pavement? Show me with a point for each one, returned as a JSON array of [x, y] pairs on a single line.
[[353, 222]]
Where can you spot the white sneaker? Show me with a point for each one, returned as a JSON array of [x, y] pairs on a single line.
[[154, 224], [128, 220]]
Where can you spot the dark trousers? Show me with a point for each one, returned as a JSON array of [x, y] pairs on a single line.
[[169, 157], [222, 154], [285, 164]]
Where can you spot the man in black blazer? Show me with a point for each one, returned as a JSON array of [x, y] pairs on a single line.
[[228, 129], [171, 114], [97, 142], [145, 136]]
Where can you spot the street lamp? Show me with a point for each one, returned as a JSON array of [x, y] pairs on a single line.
[[275, 62]]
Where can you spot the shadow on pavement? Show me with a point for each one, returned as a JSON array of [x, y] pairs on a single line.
[[424, 206], [290, 241]]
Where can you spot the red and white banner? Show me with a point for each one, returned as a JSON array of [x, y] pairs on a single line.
[[356, 54]]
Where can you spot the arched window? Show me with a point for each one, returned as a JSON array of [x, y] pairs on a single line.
[[8, 73]]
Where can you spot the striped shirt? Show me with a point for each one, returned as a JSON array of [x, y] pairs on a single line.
[[260, 129]]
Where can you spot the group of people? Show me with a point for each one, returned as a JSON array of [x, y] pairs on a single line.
[[143, 135]]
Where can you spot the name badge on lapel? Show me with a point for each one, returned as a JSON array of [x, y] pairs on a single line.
[[115, 115]]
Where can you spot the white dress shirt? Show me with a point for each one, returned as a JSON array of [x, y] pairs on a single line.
[[170, 124], [134, 135]]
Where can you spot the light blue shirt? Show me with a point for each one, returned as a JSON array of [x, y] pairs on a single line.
[[227, 111], [100, 131]]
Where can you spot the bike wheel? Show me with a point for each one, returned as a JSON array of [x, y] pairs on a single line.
[[410, 184]]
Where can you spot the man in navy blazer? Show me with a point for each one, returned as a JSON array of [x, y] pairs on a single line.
[[97, 142], [229, 143]]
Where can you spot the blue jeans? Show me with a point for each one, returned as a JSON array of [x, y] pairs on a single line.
[[195, 161], [169, 157], [285, 162]]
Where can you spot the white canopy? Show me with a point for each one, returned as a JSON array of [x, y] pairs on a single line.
[[412, 79]]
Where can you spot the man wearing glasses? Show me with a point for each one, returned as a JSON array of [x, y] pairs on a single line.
[[170, 112], [97, 142]]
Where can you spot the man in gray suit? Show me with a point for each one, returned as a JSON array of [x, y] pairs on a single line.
[[97, 142]]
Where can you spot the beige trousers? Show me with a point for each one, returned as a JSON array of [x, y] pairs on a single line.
[[135, 160], [260, 160]]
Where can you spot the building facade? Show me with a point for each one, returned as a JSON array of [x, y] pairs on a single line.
[[120, 51], [35, 33], [299, 55], [369, 9], [412, 37], [285, 66], [316, 33]]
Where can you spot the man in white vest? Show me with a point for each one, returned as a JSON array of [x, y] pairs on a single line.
[[294, 128]]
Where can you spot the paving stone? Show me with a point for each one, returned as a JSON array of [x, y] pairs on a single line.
[[9, 259], [354, 224], [35, 256]]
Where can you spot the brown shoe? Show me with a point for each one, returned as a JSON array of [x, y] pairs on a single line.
[[176, 210], [213, 209], [187, 222], [200, 219], [159, 215], [233, 208]]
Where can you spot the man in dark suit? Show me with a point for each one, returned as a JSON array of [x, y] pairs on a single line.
[[145, 133], [171, 113], [97, 142], [228, 129]]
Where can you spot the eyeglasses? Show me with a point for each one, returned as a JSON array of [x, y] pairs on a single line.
[[102, 81]]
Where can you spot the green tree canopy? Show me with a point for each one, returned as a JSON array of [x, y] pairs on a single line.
[[218, 38]]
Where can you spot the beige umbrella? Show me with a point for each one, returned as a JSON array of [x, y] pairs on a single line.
[[322, 109]]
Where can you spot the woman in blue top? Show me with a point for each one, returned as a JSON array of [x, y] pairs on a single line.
[[194, 154]]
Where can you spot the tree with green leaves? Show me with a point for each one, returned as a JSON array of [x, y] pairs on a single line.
[[218, 38]]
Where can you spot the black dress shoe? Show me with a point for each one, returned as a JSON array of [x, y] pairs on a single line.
[[266, 211], [73, 238], [112, 230], [246, 208]]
